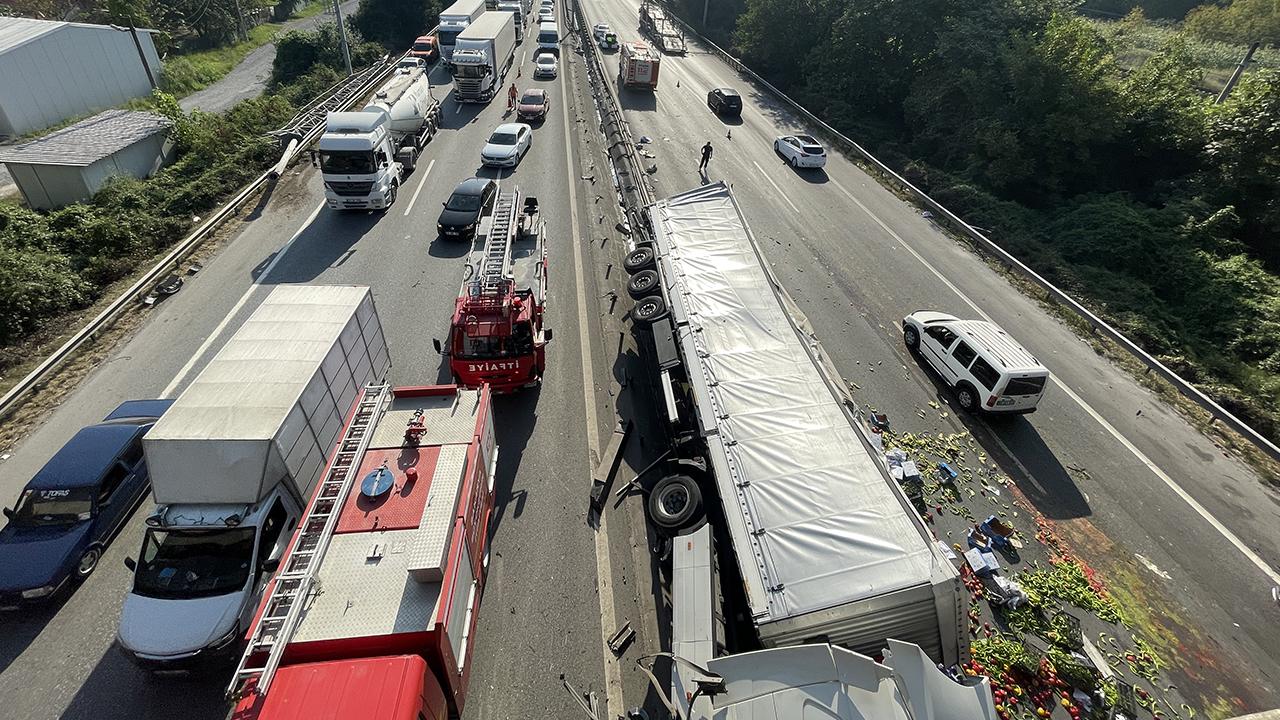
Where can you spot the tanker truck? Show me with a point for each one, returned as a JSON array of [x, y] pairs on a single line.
[[482, 56], [365, 155]]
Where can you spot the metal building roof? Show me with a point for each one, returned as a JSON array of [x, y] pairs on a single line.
[[18, 31], [89, 140]]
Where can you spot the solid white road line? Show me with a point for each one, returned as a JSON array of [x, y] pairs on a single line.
[[781, 194], [604, 567], [1252, 556], [186, 369], [421, 183]]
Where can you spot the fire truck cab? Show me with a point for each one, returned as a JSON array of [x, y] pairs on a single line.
[[496, 336]]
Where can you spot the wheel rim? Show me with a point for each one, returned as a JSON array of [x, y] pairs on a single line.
[[644, 282], [674, 500], [910, 336], [647, 308], [966, 398], [87, 562]]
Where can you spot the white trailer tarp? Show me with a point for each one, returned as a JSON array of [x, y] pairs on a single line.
[[814, 521], [269, 406]]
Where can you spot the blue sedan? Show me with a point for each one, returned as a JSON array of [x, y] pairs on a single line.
[[72, 508]]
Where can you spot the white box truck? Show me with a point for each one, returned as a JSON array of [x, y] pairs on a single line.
[[822, 544], [484, 53], [453, 20], [233, 464], [365, 155]]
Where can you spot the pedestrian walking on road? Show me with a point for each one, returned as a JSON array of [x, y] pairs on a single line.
[[706, 156], [511, 97]]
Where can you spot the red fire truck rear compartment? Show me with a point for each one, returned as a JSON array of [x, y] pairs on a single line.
[[380, 688], [402, 571]]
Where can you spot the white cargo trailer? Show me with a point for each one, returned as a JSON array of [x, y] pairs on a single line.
[[827, 546], [235, 464]]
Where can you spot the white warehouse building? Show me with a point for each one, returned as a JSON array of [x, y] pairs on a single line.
[[52, 71]]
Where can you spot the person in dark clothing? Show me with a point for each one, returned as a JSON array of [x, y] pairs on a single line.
[[706, 156]]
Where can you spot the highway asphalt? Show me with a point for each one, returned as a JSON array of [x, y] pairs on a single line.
[[1103, 458], [855, 257]]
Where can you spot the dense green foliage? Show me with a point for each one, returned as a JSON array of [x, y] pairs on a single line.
[[51, 263], [1130, 190], [395, 23], [298, 52], [1240, 21], [188, 24]]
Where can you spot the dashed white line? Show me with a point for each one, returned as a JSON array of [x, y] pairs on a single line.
[[1203, 512], [421, 184], [781, 194], [186, 369]]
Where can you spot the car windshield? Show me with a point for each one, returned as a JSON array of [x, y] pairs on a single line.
[[502, 138], [448, 38], [347, 162], [422, 46], [545, 60], [531, 99], [485, 346], [53, 507], [464, 203], [194, 563], [548, 37]]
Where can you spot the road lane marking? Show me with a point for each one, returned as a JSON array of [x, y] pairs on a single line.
[[421, 184], [775, 186], [186, 369], [1203, 512], [604, 567]]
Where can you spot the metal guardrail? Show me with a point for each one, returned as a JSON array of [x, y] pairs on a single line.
[[170, 262], [1097, 324]]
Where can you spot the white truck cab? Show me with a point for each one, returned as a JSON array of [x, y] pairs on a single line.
[[197, 582], [357, 158]]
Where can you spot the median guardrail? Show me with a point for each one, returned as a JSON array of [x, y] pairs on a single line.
[[1097, 324], [309, 123]]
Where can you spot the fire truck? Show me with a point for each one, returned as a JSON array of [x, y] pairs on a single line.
[[496, 335], [373, 613]]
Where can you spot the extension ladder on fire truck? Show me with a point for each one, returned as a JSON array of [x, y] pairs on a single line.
[[497, 247], [293, 585]]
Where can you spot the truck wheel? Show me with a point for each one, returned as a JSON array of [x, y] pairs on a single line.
[[910, 337], [88, 561], [675, 502], [649, 309], [391, 198], [967, 397], [642, 258], [642, 284]]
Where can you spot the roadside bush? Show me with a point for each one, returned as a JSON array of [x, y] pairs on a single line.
[[298, 52], [395, 23]]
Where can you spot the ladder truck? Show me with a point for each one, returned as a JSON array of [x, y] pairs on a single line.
[[373, 613], [496, 336]]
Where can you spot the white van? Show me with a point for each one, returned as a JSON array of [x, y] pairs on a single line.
[[987, 369], [549, 38]]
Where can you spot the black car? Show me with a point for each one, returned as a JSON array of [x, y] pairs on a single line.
[[75, 505], [725, 101], [462, 211]]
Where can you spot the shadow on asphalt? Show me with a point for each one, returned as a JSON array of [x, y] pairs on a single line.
[[327, 242], [455, 115], [119, 690], [19, 628], [813, 176], [1050, 488], [638, 100], [519, 413], [446, 248]]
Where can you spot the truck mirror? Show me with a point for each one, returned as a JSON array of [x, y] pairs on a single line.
[[435, 342], [546, 335], [129, 563], [271, 565], [8, 512]]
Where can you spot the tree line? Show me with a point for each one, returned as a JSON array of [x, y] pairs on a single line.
[[1131, 190]]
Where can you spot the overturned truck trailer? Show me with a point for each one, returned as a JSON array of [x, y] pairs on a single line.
[[827, 547]]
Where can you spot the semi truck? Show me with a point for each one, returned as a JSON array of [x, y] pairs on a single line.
[[365, 155], [453, 20], [373, 614], [655, 23], [496, 337], [482, 56], [232, 464], [638, 66], [819, 543]]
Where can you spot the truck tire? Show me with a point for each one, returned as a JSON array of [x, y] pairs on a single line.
[[648, 309], [642, 258], [967, 397], [675, 502], [391, 197], [642, 284]]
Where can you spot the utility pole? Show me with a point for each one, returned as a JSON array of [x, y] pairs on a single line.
[[342, 36], [1235, 76], [240, 22], [141, 55], [705, 5]]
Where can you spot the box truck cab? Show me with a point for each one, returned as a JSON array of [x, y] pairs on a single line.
[[453, 20], [232, 463], [482, 57]]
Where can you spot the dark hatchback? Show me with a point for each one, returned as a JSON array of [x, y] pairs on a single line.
[[75, 505], [464, 208], [725, 101]]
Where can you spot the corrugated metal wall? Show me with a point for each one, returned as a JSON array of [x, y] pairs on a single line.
[[69, 72]]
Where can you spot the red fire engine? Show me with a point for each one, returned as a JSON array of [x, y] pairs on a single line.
[[373, 613], [496, 336]]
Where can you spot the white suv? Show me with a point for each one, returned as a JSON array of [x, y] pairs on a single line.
[[985, 367]]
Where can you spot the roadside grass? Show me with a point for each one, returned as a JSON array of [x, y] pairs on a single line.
[[187, 73]]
